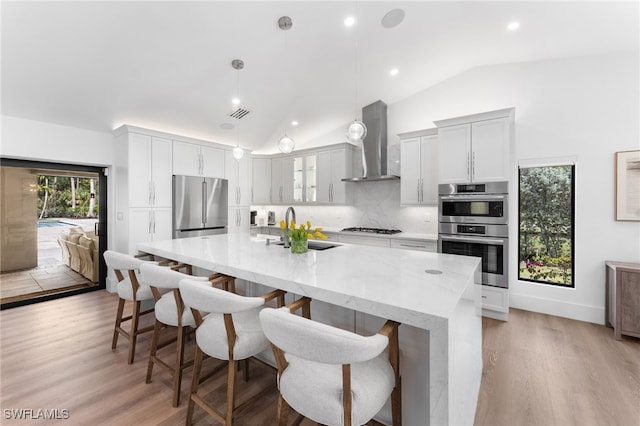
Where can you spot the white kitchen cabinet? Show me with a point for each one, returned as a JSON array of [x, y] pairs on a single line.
[[239, 220], [495, 302], [333, 166], [419, 165], [305, 179], [197, 160], [238, 174], [143, 188], [282, 180], [364, 240], [149, 170], [415, 244], [276, 181], [148, 224], [475, 148], [261, 181]]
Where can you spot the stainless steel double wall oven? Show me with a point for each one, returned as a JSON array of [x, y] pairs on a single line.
[[473, 221]]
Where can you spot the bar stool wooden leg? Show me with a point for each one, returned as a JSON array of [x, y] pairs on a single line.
[[283, 411], [177, 375], [154, 349], [134, 331], [118, 322], [231, 392], [197, 366]]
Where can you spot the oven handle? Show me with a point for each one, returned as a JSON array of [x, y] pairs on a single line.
[[471, 239], [473, 197]]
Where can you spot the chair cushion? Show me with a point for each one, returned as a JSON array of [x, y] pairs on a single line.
[[125, 290], [315, 390], [86, 242], [74, 237], [166, 312], [211, 336]]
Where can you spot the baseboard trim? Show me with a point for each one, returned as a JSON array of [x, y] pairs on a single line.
[[502, 316], [558, 308]]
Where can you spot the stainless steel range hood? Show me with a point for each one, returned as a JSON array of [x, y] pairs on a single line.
[[374, 145]]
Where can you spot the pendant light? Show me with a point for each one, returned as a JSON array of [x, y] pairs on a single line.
[[356, 130], [285, 143], [237, 64]]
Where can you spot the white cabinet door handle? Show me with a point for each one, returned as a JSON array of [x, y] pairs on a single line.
[[149, 192], [154, 223], [150, 221]]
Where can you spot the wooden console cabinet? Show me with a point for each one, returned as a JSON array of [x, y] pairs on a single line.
[[622, 307]]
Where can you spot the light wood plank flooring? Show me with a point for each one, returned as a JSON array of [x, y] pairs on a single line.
[[538, 370]]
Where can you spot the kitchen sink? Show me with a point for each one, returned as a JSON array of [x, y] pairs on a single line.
[[313, 245]]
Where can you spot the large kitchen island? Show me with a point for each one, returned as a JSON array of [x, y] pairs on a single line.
[[436, 297]]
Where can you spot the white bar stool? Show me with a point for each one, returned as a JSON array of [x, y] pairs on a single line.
[[125, 268], [170, 311], [231, 331], [330, 375]]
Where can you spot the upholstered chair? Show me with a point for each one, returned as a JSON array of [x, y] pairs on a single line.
[[330, 375], [230, 331], [126, 269], [170, 311]]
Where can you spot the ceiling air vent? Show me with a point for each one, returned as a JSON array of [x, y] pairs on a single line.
[[239, 113]]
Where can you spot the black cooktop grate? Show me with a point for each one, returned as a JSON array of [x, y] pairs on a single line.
[[372, 230]]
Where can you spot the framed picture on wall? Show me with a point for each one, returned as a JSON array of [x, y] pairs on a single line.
[[628, 185]]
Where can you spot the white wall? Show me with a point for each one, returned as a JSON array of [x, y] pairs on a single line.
[[586, 107], [34, 140]]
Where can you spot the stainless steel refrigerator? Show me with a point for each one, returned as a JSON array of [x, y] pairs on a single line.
[[199, 206]]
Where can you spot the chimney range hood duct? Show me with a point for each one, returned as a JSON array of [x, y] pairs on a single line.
[[374, 145]]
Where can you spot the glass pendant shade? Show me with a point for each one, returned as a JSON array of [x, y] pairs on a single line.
[[238, 153], [356, 131], [286, 144]]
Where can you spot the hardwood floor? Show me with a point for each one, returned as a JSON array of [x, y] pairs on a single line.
[[546, 370], [538, 369]]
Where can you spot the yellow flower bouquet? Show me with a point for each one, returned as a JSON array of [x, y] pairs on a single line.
[[299, 235]]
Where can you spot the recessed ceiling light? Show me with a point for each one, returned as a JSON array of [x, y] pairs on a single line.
[[513, 26], [393, 18], [394, 71], [235, 101], [349, 21], [294, 123]]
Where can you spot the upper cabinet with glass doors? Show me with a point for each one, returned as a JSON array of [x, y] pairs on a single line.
[[304, 179]]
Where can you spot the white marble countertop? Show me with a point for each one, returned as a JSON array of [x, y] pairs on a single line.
[[441, 337], [398, 236], [388, 283]]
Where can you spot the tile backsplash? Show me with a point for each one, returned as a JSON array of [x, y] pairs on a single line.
[[374, 204]]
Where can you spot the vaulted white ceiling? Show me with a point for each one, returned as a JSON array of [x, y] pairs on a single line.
[[167, 65]]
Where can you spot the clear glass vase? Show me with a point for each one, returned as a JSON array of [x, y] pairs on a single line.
[[299, 246]]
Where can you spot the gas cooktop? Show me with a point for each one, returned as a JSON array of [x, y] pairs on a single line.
[[372, 230]]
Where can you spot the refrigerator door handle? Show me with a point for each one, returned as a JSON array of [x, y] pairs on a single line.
[[204, 201]]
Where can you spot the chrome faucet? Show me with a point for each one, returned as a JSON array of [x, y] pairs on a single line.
[[287, 243]]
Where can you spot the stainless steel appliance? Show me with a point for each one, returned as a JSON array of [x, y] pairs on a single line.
[[199, 206], [474, 222], [271, 218], [474, 203], [254, 213]]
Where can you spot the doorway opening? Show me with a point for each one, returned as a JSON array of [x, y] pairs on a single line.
[[53, 226]]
